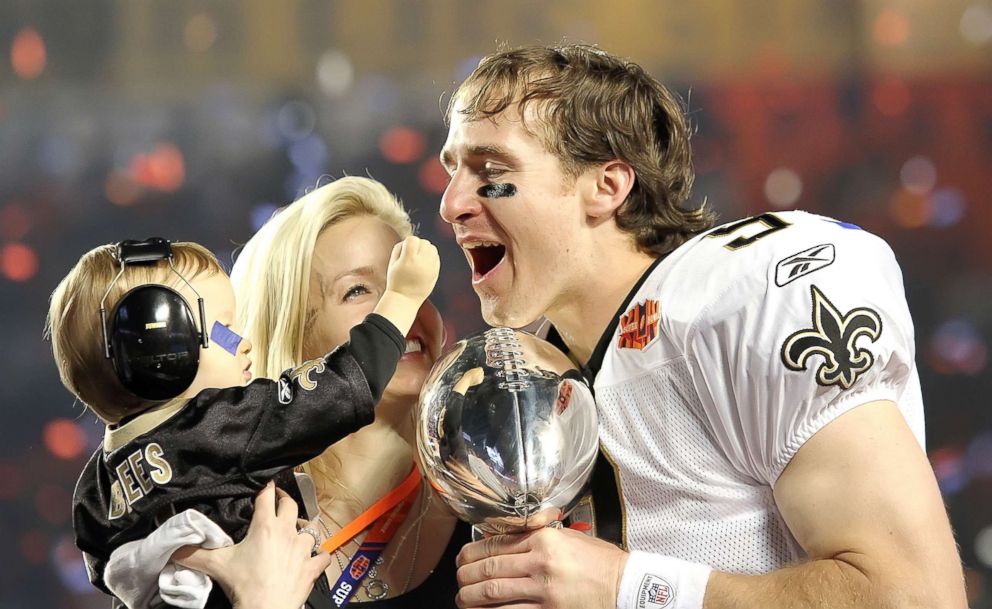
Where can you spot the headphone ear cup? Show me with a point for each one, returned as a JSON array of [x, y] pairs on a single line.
[[155, 345]]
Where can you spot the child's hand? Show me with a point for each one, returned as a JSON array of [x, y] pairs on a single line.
[[413, 269]]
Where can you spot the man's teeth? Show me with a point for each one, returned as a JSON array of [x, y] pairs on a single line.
[[413, 345], [471, 245]]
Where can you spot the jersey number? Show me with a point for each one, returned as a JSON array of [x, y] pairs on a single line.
[[772, 223]]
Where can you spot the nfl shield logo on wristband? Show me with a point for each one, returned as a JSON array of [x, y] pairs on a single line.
[[655, 593]]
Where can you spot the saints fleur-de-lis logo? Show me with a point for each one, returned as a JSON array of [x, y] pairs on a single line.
[[834, 337], [302, 374]]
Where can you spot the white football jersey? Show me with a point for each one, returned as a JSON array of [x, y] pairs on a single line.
[[735, 350]]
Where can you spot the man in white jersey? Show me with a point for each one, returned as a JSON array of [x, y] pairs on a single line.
[[759, 401]]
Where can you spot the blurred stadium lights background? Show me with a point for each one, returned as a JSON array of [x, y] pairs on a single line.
[[195, 120]]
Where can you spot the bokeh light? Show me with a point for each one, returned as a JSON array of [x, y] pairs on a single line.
[[957, 348], [15, 221], [947, 207], [891, 97], [949, 468], [918, 175], [68, 563], [433, 177], [909, 210], [978, 456], [983, 546], [309, 156], [335, 73], [976, 23], [64, 439], [18, 262], [200, 33], [295, 120], [161, 169], [783, 187], [891, 28], [402, 145], [28, 54], [120, 189]]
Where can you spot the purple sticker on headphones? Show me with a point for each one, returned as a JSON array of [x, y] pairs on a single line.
[[226, 338]]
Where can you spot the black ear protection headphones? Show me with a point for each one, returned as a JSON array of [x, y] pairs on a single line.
[[152, 340]]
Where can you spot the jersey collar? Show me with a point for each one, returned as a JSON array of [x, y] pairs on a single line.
[[591, 369], [118, 435]]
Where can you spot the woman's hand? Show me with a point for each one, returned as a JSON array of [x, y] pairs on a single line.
[[272, 567]]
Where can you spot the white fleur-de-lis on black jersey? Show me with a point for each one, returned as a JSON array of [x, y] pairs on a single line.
[[834, 337]]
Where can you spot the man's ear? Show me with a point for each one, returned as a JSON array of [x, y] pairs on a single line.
[[613, 182]]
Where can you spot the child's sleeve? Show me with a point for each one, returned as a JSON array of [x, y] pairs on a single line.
[[321, 401], [377, 346]]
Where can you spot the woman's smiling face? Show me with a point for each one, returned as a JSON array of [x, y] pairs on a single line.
[[347, 278]]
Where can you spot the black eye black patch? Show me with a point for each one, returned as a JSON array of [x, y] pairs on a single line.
[[497, 191]]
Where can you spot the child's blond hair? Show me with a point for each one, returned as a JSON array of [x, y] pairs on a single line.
[[73, 322]]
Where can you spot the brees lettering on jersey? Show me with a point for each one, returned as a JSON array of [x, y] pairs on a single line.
[[136, 476]]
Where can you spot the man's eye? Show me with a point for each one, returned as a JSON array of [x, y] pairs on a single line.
[[355, 291], [492, 172]]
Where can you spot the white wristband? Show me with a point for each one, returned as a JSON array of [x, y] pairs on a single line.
[[653, 581]]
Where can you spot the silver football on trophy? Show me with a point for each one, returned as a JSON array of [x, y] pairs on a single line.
[[506, 431]]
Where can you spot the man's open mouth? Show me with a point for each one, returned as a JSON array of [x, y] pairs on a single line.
[[485, 255]]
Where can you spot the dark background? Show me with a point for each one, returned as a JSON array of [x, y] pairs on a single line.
[[195, 120]]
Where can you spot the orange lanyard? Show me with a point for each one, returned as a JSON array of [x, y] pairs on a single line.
[[406, 488]]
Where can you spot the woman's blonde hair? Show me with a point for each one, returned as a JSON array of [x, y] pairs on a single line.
[[271, 279], [73, 322], [271, 275]]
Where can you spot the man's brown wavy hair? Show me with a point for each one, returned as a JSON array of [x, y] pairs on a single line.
[[594, 108]]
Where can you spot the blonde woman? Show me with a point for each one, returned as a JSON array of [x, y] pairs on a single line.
[[316, 269]]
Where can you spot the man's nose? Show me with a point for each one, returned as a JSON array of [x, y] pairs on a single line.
[[459, 201]]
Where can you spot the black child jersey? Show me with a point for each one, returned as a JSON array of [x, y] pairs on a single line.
[[214, 452]]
